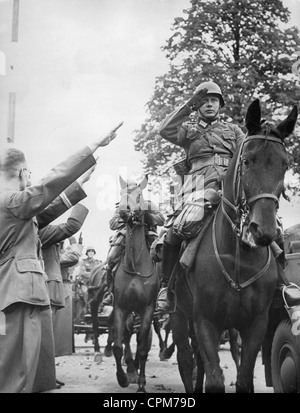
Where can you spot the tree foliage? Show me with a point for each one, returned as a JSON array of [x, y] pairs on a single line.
[[246, 47]]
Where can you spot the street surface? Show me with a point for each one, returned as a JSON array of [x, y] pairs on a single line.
[[81, 374]]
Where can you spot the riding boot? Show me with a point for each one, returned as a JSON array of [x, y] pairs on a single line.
[[166, 299], [108, 298]]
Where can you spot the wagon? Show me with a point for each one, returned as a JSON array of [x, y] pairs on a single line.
[[281, 347]]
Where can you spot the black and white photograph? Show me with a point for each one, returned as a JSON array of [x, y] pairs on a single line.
[[149, 199]]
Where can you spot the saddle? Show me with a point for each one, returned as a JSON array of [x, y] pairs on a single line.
[[190, 247]]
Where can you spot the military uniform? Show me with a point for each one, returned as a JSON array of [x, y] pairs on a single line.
[[153, 218], [208, 146]]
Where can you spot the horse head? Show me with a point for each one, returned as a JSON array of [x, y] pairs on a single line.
[[263, 164], [132, 205]]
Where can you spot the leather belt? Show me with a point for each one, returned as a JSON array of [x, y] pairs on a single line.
[[214, 160]]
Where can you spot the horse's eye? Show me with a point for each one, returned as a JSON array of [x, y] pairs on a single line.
[[245, 162]]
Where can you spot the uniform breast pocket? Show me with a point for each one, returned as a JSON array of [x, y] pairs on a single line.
[[31, 280], [192, 134], [229, 140], [228, 136]]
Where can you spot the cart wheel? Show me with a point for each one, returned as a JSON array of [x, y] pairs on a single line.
[[285, 360]]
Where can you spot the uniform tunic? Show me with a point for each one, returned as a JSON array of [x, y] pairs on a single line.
[[208, 146]]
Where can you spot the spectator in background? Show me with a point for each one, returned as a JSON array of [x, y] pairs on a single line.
[[86, 267], [69, 256], [51, 236]]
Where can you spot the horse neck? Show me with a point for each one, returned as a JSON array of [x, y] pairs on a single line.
[[137, 253], [229, 193]]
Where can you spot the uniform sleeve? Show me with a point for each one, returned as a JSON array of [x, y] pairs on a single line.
[[69, 258], [240, 135], [70, 197], [153, 216], [116, 222], [171, 128], [53, 234], [32, 200]]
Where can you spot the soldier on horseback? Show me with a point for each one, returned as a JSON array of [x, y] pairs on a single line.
[[209, 144], [153, 218]]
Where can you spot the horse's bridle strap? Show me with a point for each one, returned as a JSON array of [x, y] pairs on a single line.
[[263, 195], [264, 137]]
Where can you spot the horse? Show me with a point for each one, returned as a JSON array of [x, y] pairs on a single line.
[[136, 283], [96, 290], [234, 275]]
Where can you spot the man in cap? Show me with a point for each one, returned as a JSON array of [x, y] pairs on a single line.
[[209, 144]]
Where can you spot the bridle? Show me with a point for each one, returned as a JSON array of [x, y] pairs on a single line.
[[241, 208], [137, 221]]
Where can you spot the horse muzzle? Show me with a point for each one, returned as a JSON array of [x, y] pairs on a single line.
[[263, 235]]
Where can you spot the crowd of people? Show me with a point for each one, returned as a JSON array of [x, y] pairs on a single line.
[[32, 290], [35, 284]]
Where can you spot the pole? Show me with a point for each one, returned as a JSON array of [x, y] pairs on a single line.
[[12, 95], [15, 21], [11, 117]]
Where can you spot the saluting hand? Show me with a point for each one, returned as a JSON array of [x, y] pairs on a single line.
[[103, 141], [197, 99], [86, 176], [110, 136]]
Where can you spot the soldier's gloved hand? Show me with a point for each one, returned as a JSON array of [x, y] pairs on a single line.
[[197, 99]]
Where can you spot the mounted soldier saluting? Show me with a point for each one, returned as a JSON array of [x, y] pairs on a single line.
[[209, 144]]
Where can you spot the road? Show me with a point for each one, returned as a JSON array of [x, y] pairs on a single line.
[[81, 374]]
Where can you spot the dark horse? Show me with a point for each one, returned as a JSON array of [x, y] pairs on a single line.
[[233, 281], [136, 283], [96, 290]]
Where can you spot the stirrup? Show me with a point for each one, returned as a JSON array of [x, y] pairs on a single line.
[[166, 301], [291, 295]]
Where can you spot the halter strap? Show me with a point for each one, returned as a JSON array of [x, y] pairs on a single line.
[[263, 195], [264, 137]]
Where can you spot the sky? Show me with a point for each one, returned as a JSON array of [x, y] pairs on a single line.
[[78, 68]]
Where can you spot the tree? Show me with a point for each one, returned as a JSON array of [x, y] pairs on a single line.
[[242, 45]]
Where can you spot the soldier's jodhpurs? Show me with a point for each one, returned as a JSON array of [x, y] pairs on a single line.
[[171, 248]]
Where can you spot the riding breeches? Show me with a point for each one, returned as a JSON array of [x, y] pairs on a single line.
[[172, 238]]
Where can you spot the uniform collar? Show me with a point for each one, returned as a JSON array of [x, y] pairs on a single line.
[[205, 123]]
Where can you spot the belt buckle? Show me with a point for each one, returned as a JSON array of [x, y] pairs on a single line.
[[217, 159]]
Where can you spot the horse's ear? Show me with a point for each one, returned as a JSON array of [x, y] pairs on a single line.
[[287, 126], [123, 183], [253, 117], [144, 182]]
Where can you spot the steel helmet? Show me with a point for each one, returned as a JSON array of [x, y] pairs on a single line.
[[90, 249], [212, 88]]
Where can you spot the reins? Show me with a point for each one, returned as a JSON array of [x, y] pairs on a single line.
[[134, 272], [241, 206]]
